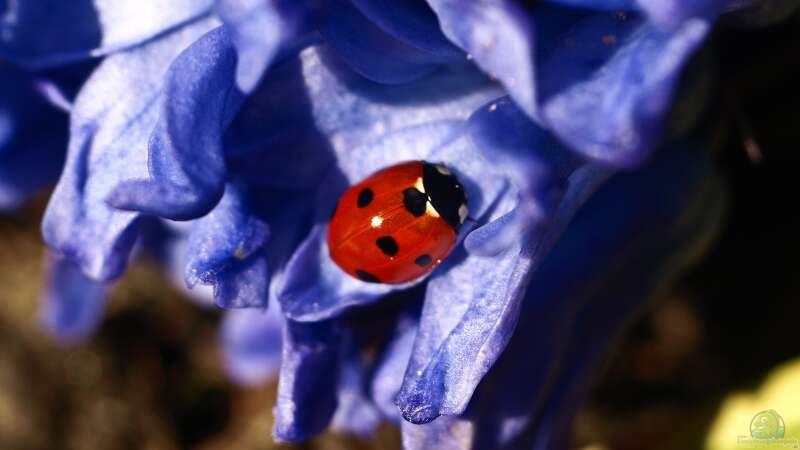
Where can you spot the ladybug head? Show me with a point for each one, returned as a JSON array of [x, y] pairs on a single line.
[[446, 193]]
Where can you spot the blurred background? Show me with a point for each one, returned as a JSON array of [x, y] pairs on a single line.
[[691, 374]]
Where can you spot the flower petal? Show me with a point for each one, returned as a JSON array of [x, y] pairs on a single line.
[[107, 146], [371, 51], [258, 30], [40, 33], [225, 250], [355, 414], [606, 93], [389, 370], [186, 160], [315, 287], [498, 36], [673, 208], [307, 390], [251, 341], [472, 308], [72, 304], [370, 127], [412, 22], [638, 228], [673, 13]]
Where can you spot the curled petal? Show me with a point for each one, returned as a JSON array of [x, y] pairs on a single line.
[[251, 342], [107, 146], [50, 32], [315, 288], [224, 250], [307, 391], [371, 51], [412, 22], [72, 304], [186, 161], [670, 209], [499, 37], [472, 308], [668, 221], [259, 29], [606, 93]]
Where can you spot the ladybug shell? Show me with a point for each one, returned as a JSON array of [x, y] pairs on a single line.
[[386, 229]]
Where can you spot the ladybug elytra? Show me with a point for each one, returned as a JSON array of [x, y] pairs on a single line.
[[397, 224]]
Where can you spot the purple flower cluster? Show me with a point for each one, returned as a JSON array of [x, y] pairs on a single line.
[[219, 135]]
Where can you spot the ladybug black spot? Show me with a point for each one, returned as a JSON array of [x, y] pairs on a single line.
[[423, 260], [366, 276], [414, 201], [365, 197], [388, 245]]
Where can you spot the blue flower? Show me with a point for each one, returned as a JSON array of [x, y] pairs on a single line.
[[238, 129]]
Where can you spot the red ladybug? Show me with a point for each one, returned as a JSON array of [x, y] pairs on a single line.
[[397, 224]]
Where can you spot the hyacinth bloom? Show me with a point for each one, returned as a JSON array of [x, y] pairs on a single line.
[[236, 126]]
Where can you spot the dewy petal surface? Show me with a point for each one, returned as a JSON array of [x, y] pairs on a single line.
[[606, 88], [111, 122], [72, 303], [40, 33], [186, 161]]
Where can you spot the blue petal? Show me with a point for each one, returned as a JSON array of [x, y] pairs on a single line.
[[259, 29], [672, 209], [374, 53], [605, 91], [412, 22], [39, 33], [251, 341], [225, 250], [446, 433], [107, 146], [389, 370], [498, 36], [604, 5], [472, 308], [370, 127], [315, 288], [307, 390], [673, 13], [355, 414], [186, 160], [639, 229], [72, 304]]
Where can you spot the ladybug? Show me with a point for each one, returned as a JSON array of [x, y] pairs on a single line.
[[397, 224]]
